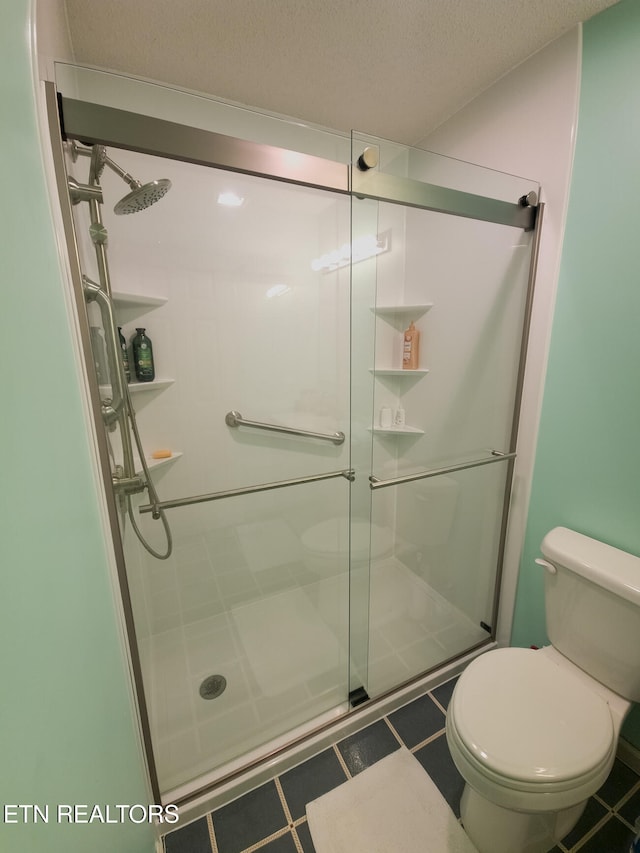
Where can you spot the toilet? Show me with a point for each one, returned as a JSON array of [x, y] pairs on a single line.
[[534, 732]]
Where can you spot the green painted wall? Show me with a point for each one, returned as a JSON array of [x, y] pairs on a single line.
[[67, 732], [587, 470]]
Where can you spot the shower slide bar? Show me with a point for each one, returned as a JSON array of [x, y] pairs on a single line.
[[247, 490], [235, 419], [93, 292], [496, 456]]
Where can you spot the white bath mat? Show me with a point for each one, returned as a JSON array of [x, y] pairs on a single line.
[[391, 807]]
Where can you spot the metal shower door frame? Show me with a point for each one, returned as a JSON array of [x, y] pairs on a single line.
[[97, 124]]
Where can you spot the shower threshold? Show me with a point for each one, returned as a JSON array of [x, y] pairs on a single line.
[[265, 754]]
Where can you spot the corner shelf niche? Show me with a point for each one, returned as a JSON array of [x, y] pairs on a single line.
[[152, 464], [399, 371], [397, 430], [137, 300], [155, 385], [396, 315], [140, 303], [393, 311], [138, 387]]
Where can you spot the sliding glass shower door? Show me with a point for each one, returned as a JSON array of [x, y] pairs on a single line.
[[337, 512], [243, 631], [448, 294]]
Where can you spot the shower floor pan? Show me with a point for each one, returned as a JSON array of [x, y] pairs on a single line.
[[284, 658]]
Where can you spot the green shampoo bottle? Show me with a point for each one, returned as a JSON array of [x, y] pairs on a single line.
[[143, 356]]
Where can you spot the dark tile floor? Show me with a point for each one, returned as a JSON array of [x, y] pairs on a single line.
[[272, 819]]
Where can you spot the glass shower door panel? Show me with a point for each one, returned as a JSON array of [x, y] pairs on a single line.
[[460, 284], [243, 631], [433, 578], [245, 635]]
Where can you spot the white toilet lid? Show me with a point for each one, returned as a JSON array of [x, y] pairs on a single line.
[[524, 718]]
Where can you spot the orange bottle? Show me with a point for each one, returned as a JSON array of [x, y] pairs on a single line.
[[411, 348]]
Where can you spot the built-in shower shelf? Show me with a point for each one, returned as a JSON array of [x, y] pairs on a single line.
[[137, 300], [392, 371], [398, 430], [152, 464], [156, 385], [393, 311]]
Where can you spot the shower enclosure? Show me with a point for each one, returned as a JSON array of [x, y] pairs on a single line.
[[320, 556]]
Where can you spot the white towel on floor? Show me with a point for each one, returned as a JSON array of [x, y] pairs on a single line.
[[391, 807]]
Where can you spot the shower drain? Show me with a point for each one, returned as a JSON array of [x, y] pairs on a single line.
[[213, 686]]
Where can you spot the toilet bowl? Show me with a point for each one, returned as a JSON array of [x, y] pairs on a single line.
[[533, 743], [533, 733], [325, 546]]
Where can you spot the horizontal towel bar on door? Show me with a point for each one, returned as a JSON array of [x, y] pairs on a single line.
[[496, 456], [246, 490], [235, 419]]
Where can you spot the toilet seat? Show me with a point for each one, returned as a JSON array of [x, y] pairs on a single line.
[[528, 734]]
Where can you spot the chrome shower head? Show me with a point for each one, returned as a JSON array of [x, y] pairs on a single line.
[[142, 196]]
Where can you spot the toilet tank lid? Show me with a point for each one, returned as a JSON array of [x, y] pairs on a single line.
[[604, 565]]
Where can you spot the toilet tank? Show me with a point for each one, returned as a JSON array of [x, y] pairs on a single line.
[[592, 603]]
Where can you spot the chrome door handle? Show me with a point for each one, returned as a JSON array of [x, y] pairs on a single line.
[[348, 474], [494, 456]]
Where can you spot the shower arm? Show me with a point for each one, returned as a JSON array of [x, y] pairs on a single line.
[[126, 177], [88, 152]]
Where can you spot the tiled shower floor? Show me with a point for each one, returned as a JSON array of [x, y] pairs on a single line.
[[239, 623], [272, 818]]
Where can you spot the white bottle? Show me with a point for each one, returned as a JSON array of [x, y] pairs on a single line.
[[386, 418], [399, 417]]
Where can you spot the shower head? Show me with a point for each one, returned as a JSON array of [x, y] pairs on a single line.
[[142, 196]]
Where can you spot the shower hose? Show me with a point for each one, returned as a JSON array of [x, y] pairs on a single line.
[[153, 495]]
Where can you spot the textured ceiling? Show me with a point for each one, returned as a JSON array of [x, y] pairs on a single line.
[[391, 69]]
